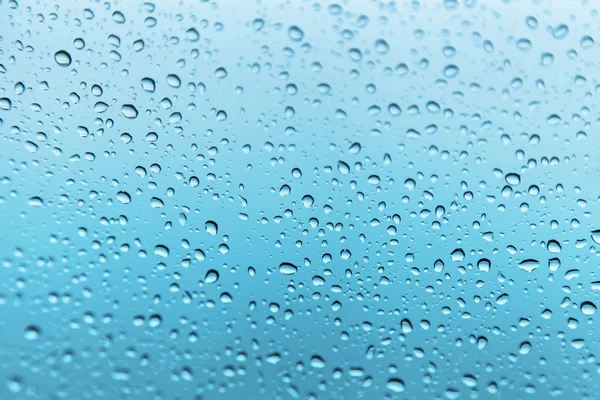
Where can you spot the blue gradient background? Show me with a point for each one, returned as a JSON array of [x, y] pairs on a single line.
[[84, 291]]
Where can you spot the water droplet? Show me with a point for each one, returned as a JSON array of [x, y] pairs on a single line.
[[32, 332], [35, 201], [173, 81], [406, 326], [161, 250], [396, 385], [62, 58], [513, 179], [484, 265], [5, 103], [355, 54], [211, 276], [554, 247], [343, 167], [374, 180], [588, 308], [295, 33], [381, 46], [221, 116], [258, 24], [451, 71], [15, 384], [221, 73], [560, 31], [118, 17], [155, 321], [129, 111], [529, 265], [287, 268], [148, 85], [192, 35], [317, 362], [308, 200], [211, 227], [596, 236], [124, 197]]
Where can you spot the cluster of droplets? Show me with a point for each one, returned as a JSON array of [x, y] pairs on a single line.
[[298, 207]]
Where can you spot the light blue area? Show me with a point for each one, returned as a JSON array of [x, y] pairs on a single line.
[[91, 308]]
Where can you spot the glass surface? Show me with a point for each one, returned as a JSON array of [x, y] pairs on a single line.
[[299, 199]]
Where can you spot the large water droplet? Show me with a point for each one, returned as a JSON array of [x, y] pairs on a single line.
[[295, 33], [129, 111], [62, 58], [287, 268]]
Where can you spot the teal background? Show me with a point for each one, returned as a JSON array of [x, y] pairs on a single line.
[[81, 266]]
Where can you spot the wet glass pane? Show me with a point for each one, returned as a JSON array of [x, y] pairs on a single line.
[[299, 199]]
